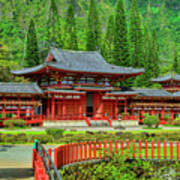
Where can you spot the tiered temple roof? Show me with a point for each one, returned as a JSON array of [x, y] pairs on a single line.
[[78, 61]]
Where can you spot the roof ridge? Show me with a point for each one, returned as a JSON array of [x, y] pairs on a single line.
[[74, 51], [19, 83]]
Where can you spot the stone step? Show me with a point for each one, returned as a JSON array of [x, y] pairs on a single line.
[[99, 123], [125, 123], [65, 123]]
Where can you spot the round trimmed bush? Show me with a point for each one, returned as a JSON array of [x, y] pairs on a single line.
[[14, 123], [177, 121], [151, 120], [55, 132]]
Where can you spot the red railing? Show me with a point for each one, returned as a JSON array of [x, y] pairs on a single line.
[[34, 119], [83, 151], [43, 166], [129, 117], [39, 168]]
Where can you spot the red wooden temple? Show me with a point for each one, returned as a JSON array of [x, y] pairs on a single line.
[[78, 85], [170, 82]]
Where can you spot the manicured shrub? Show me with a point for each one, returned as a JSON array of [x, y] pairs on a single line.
[[151, 120], [55, 132], [21, 138], [14, 123], [8, 138], [43, 138], [177, 121]]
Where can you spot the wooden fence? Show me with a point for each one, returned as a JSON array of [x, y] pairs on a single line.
[[84, 151]]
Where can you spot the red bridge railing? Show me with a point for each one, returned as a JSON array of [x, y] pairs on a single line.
[[83, 151], [44, 168]]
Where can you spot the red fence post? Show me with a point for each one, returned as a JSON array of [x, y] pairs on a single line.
[[159, 150], [152, 149], [110, 147], [146, 149], [90, 157], [140, 149], [177, 149], [94, 146], [33, 158], [64, 154], [116, 146], [127, 144], [81, 153], [55, 158], [134, 149], [165, 150], [69, 154], [50, 154], [100, 149], [171, 149], [85, 150], [122, 148], [77, 152], [105, 146], [72, 153]]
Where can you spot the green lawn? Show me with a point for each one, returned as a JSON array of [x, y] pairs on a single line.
[[14, 132], [83, 132]]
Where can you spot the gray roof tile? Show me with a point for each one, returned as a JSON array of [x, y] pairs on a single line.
[[153, 92], [171, 76], [176, 94], [64, 91], [81, 61], [26, 88], [122, 93]]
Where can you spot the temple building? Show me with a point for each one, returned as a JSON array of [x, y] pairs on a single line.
[[170, 83], [81, 85]]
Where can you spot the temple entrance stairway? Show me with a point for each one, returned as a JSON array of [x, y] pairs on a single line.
[[93, 123]]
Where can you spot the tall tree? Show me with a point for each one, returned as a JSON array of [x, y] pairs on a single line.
[[136, 36], [93, 28], [155, 55], [32, 51], [144, 80], [165, 31], [4, 53], [121, 44], [176, 64], [108, 41], [54, 36], [70, 29]]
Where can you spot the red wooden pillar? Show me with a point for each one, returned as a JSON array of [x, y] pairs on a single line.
[[48, 109], [172, 115], [18, 108], [80, 108], [125, 109], [4, 112], [142, 113], [116, 110], [152, 112], [162, 114], [132, 113], [63, 108], [18, 111], [52, 108], [32, 110]]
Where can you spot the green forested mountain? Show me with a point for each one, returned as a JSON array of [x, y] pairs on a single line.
[[160, 16]]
